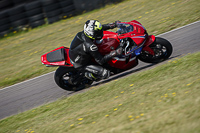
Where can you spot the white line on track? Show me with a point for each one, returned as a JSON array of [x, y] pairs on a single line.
[[53, 72], [26, 81], [178, 28]]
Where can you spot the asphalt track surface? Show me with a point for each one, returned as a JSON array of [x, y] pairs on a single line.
[[41, 90]]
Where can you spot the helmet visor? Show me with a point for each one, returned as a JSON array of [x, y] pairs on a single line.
[[98, 34]]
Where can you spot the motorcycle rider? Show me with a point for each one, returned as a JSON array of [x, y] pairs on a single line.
[[83, 49]]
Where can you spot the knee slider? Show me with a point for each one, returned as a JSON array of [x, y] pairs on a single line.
[[105, 73]]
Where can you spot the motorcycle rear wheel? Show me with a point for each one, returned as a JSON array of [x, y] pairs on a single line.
[[162, 49], [62, 75]]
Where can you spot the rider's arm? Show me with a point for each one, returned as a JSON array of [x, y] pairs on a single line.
[[92, 49], [110, 25]]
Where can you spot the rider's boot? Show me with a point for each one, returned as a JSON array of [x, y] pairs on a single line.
[[91, 76], [75, 79]]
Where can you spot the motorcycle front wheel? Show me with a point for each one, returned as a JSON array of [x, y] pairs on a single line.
[[162, 50], [62, 76]]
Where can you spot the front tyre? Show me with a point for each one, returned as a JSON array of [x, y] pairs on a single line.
[[62, 76], [162, 50]]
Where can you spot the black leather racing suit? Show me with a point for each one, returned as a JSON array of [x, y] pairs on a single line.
[[83, 50]]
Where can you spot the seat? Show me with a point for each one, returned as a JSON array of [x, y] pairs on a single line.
[[56, 56]]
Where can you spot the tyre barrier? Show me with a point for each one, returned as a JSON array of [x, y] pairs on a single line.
[[68, 11], [36, 20], [4, 29], [4, 23], [53, 13], [5, 4], [16, 10], [33, 5], [34, 13], [64, 3], [4, 33], [68, 8], [37, 23], [17, 17], [56, 10], [4, 20], [19, 23], [18, 2], [52, 10], [48, 2], [3, 14], [17, 14], [51, 7]]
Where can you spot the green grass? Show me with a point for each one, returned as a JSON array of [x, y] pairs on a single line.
[[164, 99], [20, 52]]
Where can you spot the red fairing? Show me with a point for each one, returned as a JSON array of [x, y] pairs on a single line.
[[149, 41], [123, 63], [61, 62], [111, 41], [67, 59], [138, 33]]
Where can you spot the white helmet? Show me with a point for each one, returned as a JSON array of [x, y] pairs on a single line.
[[93, 29]]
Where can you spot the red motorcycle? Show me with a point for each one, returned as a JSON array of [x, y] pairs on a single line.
[[131, 36]]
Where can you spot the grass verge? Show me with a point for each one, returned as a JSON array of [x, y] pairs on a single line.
[[164, 99], [20, 53]]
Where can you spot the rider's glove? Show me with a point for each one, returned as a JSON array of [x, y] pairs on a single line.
[[116, 22], [116, 52], [114, 25], [112, 54]]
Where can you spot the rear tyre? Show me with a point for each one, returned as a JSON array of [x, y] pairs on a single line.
[[62, 76], [162, 49]]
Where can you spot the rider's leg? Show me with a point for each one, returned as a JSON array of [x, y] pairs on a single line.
[[95, 72], [92, 72]]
